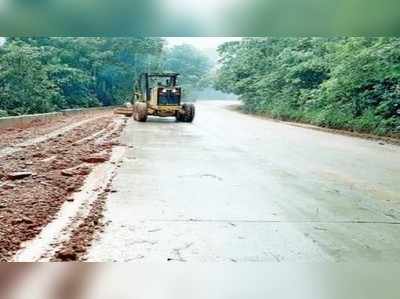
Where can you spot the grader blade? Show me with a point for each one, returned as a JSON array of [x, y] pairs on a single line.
[[124, 111]]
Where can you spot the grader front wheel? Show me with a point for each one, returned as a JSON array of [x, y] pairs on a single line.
[[140, 113]]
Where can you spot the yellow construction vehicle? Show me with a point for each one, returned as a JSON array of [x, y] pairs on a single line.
[[158, 94]]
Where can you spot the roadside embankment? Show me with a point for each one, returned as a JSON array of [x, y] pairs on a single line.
[[21, 131], [24, 121], [387, 139]]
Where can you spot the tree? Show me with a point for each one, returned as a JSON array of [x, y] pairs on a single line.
[[348, 83], [190, 63], [74, 71], [24, 83]]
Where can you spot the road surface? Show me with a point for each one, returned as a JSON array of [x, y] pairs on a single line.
[[236, 188]]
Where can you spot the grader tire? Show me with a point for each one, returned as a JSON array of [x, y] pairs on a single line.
[[189, 114], [178, 117], [135, 111], [140, 112]]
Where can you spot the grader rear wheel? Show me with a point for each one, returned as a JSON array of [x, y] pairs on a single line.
[[189, 113], [179, 116]]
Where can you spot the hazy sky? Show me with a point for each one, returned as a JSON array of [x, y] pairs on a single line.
[[200, 42]]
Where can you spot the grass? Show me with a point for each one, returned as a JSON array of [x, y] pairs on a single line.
[[335, 118]]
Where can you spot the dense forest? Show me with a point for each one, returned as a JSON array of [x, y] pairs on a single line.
[[52, 73], [343, 83]]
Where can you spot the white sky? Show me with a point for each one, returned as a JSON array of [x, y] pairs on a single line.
[[200, 42], [203, 15]]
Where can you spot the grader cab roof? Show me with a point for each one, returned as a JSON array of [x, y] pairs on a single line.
[[162, 74], [145, 77], [144, 83]]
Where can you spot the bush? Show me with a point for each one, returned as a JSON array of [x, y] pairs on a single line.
[[342, 83], [3, 113]]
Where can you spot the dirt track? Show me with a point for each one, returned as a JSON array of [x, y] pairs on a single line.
[[36, 179]]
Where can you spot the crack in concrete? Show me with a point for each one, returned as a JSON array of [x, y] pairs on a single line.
[[275, 221], [201, 176], [276, 257], [143, 242], [139, 257], [178, 253], [155, 230]]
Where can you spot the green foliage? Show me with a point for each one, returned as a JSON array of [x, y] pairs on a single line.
[[192, 65], [344, 83], [47, 74], [51, 73], [24, 83]]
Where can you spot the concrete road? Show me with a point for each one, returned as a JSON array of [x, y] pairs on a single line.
[[236, 188]]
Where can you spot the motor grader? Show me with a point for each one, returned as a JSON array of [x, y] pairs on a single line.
[[158, 94]]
